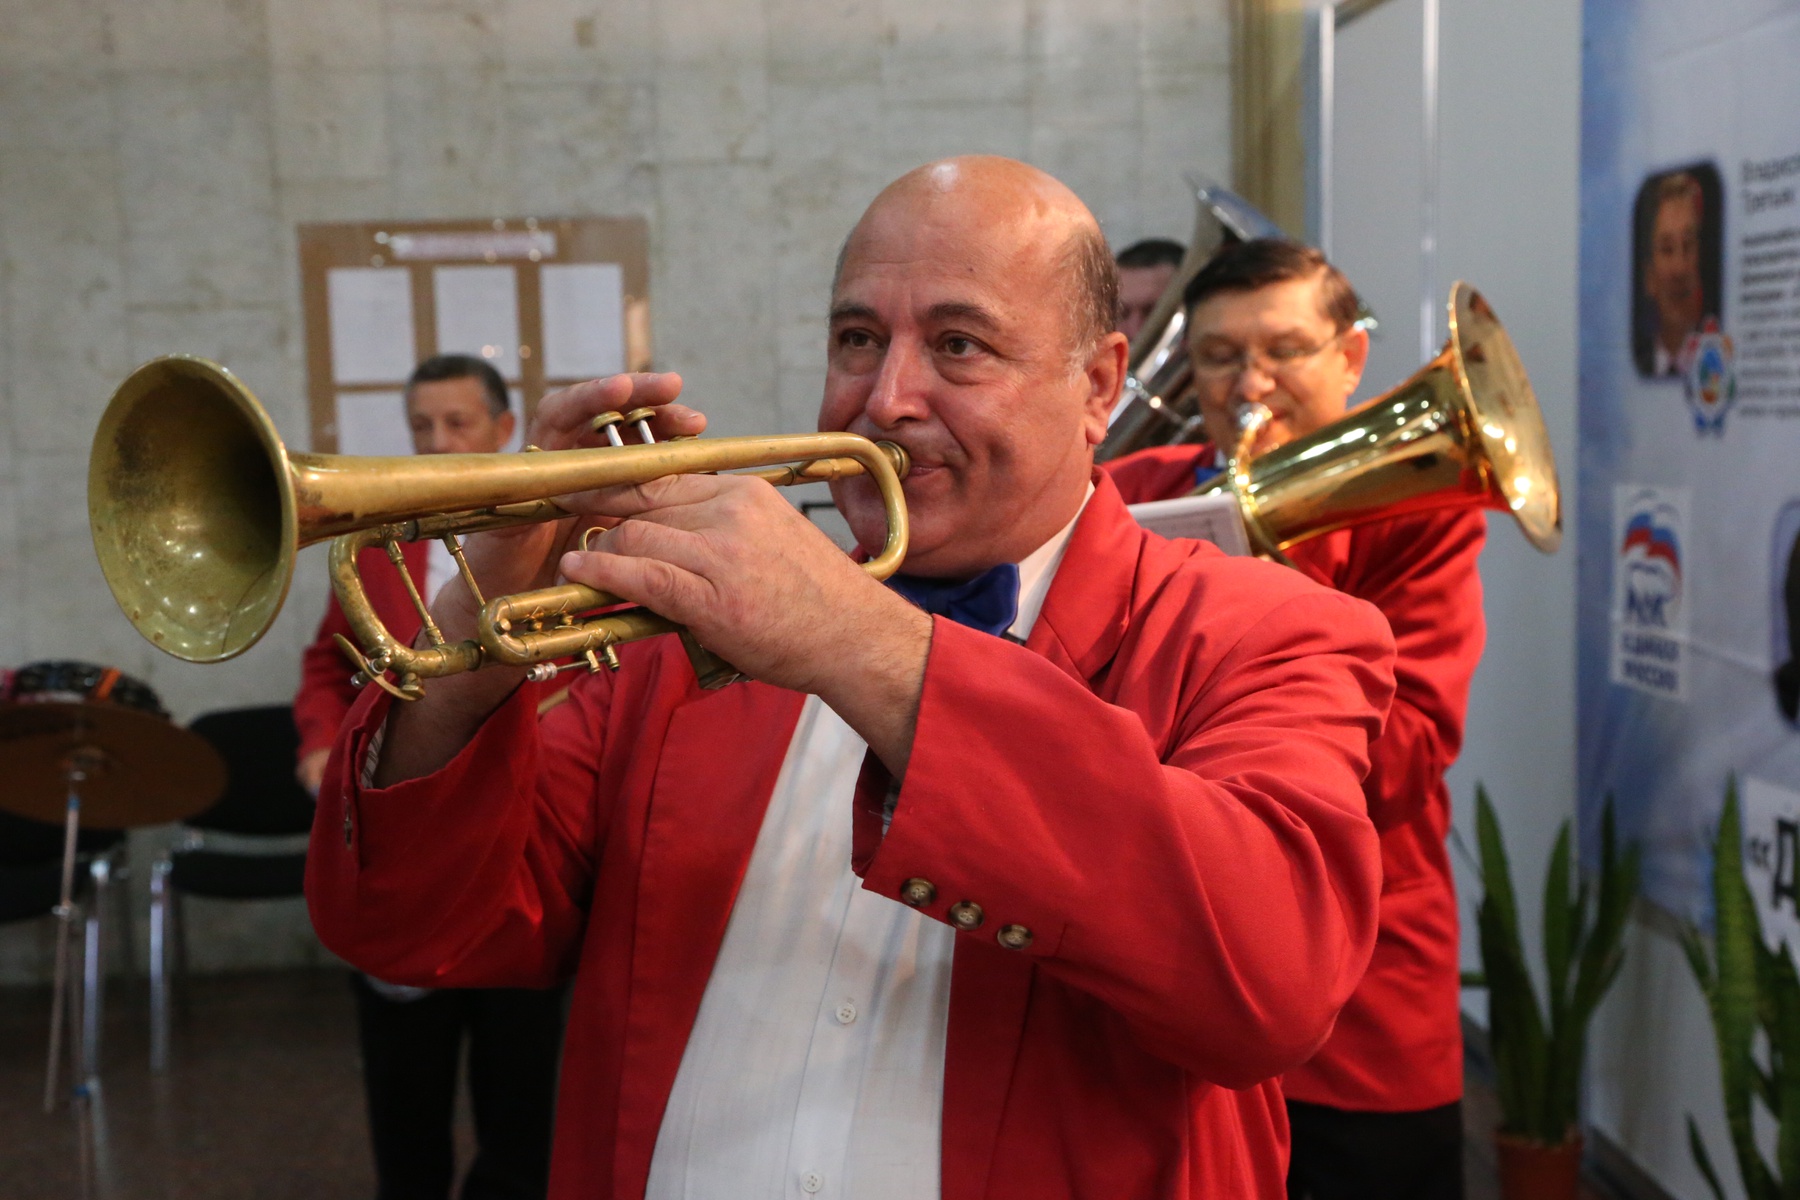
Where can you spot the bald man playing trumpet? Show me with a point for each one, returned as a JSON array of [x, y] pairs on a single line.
[[1021, 876]]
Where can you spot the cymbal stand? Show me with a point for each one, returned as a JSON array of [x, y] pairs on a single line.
[[82, 763]]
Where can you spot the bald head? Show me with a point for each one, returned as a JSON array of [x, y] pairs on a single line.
[[1023, 212], [971, 323]]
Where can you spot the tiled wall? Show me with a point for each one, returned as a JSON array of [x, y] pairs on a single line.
[[156, 156]]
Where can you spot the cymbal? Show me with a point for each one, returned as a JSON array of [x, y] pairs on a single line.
[[138, 768]]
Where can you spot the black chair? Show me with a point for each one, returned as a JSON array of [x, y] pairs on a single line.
[[31, 854], [251, 845]]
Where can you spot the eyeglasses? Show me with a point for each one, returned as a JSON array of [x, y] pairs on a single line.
[[1223, 361]]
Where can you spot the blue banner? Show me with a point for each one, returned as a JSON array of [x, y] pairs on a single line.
[[1689, 514]]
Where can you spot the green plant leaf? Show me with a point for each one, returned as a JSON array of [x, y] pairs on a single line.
[[1496, 872], [1559, 927], [1703, 1161], [1735, 998], [1516, 1031], [1694, 946], [1474, 979], [1784, 1054]]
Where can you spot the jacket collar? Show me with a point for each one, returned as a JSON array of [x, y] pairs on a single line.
[[1084, 617]]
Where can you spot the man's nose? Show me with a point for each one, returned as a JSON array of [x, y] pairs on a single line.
[[1254, 381], [901, 387]]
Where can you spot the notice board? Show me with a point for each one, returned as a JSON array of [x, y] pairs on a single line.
[[547, 301]]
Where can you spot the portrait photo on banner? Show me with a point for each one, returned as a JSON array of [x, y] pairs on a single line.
[[1677, 231]]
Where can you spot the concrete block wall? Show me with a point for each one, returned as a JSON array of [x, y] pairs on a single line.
[[157, 155]]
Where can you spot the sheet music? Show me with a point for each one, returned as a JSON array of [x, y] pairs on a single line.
[[1212, 518]]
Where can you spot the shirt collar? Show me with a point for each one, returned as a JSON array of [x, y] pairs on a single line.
[[1038, 569]]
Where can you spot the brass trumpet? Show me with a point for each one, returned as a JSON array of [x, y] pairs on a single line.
[[197, 511], [1463, 431]]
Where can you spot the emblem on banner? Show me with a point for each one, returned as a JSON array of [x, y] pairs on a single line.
[[1649, 610], [1710, 377]]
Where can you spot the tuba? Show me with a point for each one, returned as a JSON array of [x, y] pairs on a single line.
[[1463, 431], [198, 510]]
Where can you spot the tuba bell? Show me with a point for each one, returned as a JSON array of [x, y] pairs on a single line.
[[1463, 431], [197, 512]]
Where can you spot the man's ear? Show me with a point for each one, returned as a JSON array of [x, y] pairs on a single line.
[[503, 428], [1105, 374], [1356, 355]]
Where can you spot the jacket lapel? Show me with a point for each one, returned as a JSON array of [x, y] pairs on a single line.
[[720, 761], [1085, 615]]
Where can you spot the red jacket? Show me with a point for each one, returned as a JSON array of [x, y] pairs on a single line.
[[1398, 1043], [1163, 785], [325, 694]]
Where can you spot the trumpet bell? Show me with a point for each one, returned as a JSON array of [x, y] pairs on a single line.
[[193, 521]]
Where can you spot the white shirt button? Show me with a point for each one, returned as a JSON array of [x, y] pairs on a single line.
[[846, 1012], [811, 1182]]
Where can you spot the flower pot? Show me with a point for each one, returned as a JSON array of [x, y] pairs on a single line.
[[1533, 1171]]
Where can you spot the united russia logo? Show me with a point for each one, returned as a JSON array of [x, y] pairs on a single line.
[[1649, 639], [1709, 376], [1650, 560]]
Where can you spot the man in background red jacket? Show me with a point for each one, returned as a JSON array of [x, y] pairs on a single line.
[[1377, 1113], [411, 1038]]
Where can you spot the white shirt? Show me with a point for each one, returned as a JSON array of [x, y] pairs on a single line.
[[815, 1069], [440, 568]]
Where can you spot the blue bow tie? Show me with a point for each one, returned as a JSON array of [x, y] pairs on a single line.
[[989, 602]]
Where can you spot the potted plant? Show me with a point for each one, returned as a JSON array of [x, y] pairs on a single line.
[[1748, 986], [1538, 1048]]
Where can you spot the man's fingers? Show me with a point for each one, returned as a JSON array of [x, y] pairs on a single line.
[[685, 549], [660, 500], [562, 417], [656, 582]]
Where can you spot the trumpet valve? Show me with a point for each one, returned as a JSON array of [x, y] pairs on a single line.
[[639, 419], [607, 425]]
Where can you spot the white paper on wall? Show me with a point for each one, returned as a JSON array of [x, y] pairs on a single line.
[[478, 314], [372, 423], [515, 400], [584, 319], [371, 324]]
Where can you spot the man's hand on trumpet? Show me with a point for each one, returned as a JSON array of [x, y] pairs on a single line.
[[428, 732], [761, 586], [527, 556]]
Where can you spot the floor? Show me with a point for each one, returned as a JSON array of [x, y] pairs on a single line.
[[262, 1098]]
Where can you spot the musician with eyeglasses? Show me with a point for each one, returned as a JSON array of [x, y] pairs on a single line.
[[1020, 877], [1378, 1111]]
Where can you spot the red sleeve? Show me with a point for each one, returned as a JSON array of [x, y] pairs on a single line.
[[1159, 473], [325, 694], [1421, 573], [1217, 891], [504, 907]]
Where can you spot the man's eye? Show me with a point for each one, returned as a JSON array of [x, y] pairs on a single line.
[[959, 346], [855, 339], [1219, 356]]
